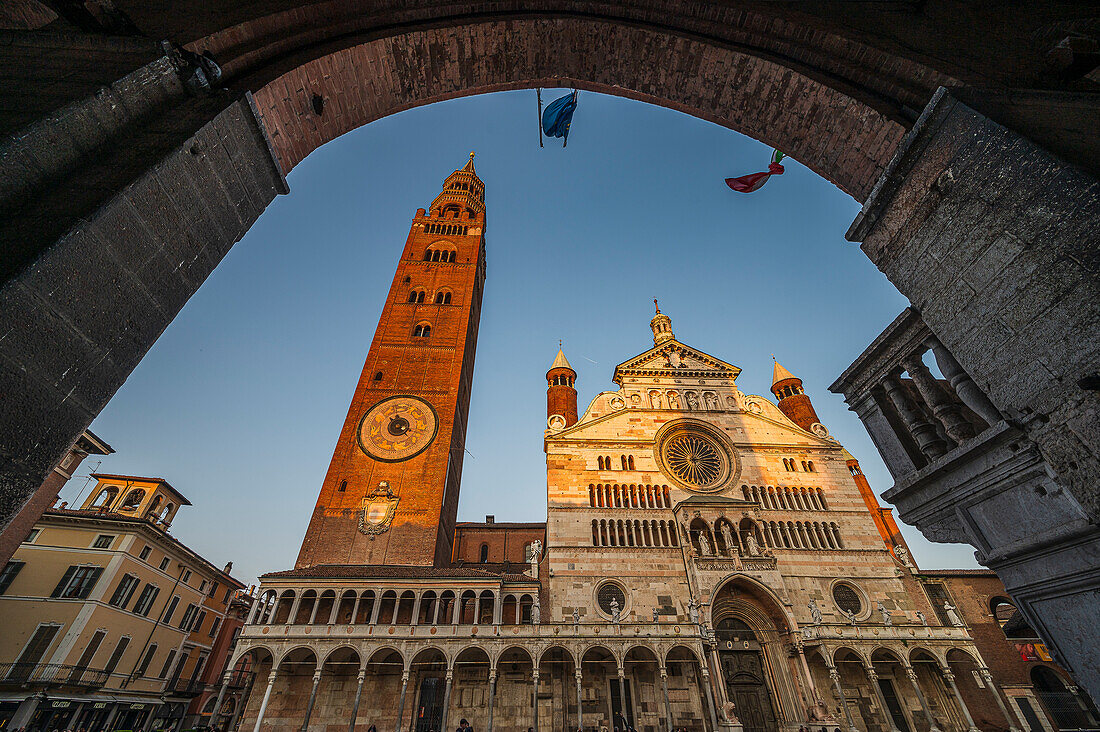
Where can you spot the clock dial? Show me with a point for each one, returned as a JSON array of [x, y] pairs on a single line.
[[397, 428]]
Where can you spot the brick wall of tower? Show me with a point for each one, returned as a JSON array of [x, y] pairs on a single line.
[[562, 400], [439, 370], [798, 408]]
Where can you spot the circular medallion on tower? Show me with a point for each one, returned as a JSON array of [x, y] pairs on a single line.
[[397, 428], [696, 455]]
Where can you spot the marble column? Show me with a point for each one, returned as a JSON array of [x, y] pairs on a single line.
[[969, 392], [622, 698], [580, 700], [415, 620], [668, 704], [218, 702], [446, 700], [492, 696], [709, 693], [949, 679], [401, 699], [254, 612], [358, 696], [834, 675], [911, 673], [535, 682], [872, 677], [316, 607], [238, 708], [267, 697], [336, 602], [376, 608], [293, 609], [312, 699], [355, 608], [987, 677], [922, 431]]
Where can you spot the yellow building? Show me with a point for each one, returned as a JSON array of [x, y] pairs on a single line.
[[109, 621]]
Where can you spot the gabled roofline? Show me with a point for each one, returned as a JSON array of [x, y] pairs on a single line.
[[630, 364], [137, 478]]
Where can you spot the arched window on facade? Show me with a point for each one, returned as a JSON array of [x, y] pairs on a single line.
[[443, 297], [377, 375], [133, 499], [416, 296], [483, 555], [810, 463], [422, 330], [630, 462], [622, 460]]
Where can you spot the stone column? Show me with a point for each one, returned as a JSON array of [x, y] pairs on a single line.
[[267, 697], [971, 395], [492, 696], [114, 713], [834, 675], [355, 608], [336, 602], [446, 700], [358, 696], [238, 708], [949, 679], [809, 678], [456, 611], [924, 432], [435, 610], [580, 699], [535, 682], [316, 605], [710, 699], [715, 663], [377, 607], [912, 674], [293, 608], [668, 704], [988, 678], [221, 695], [312, 699], [872, 677], [416, 610], [401, 699], [622, 697], [255, 611], [943, 404], [498, 607]]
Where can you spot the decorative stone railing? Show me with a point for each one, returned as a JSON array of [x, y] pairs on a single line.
[[544, 631], [882, 633], [735, 563]]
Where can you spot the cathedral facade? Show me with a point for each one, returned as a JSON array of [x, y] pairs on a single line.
[[711, 560]]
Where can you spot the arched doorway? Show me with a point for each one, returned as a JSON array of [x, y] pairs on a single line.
[[1069, 708], [744, 671]]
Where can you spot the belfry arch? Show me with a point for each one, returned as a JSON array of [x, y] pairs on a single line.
[[155, 183]]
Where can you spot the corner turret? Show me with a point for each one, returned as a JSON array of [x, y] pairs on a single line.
[[793, 402], [661, 325], [561, 396]]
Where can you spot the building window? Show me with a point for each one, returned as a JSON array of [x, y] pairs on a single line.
[[214, 627], [202, 586], [186, 576], [484, 556], [228, 592], [32, 536], [937, 595], [188, 616], [847, 599], [423, 330], [146, 660], [199, 620], [124, 591], [171, 609], [343, 486], [116, 655], [86, 657], [103, 541], [33, 652], [77, 582], [133, 500], [416, 296], [145, 552], [167, 664], [213, 589], [164, 563], [442, 298], [377, 375], [7, 575], [607, 592], [146, 600]]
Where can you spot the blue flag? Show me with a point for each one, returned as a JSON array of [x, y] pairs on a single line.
[[558, 115]]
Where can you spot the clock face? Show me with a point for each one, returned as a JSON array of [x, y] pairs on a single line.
[[397, 428]]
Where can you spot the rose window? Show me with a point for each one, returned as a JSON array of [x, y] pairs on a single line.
[[693, 459]]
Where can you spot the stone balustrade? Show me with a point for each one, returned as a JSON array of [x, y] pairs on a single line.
[[964, 472], [601, 631]]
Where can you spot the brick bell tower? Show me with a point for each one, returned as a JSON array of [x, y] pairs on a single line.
[[793, 402], [561, 394], [391, 492]]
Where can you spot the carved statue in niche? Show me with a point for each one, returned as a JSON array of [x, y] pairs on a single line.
[[693, 401], [815, 611], [536, 611], [704, 545], [886, 614], [711, 401], [673, 400], [635, 399], [731, 402], [751, 547], [727, 536], [576, 616], [952, 616], [693, 610], [615, 610], [655, 399], [903, 555]]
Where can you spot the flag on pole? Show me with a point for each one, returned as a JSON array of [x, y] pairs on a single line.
[[558, 115], [755, 181]]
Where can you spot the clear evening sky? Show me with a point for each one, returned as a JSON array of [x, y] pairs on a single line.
[[240, 402]]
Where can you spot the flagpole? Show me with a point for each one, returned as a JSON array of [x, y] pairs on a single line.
[[538, 92], [565, 143]]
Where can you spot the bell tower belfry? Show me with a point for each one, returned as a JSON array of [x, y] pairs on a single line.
[[391, 492]]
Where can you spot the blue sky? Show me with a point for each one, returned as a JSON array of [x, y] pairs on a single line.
[[240, 402]]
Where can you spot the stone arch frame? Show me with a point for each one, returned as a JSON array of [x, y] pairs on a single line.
[[570, 652], [294, 648], [866, 606], [239, 653], [447, 658], [344, 646], [613, 649], [834, 654], [757, 585]]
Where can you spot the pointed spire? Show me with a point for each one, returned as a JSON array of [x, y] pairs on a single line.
[[661, 325], [470, 165], [779, 373], [560, 361]]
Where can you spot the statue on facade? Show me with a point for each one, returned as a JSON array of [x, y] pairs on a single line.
[[693, 401], [815, 611], [615, 610], [536, 612], [923, 620], [819, 711], [903, 555], [656, 615], [952, 616], [704, 545], [727, 536], [655, 399], [851, 616], [673, 400], [576, 616], [751, 547], [711, 401], [729, 711], [536, 550], [886, 614], [693, 611]]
